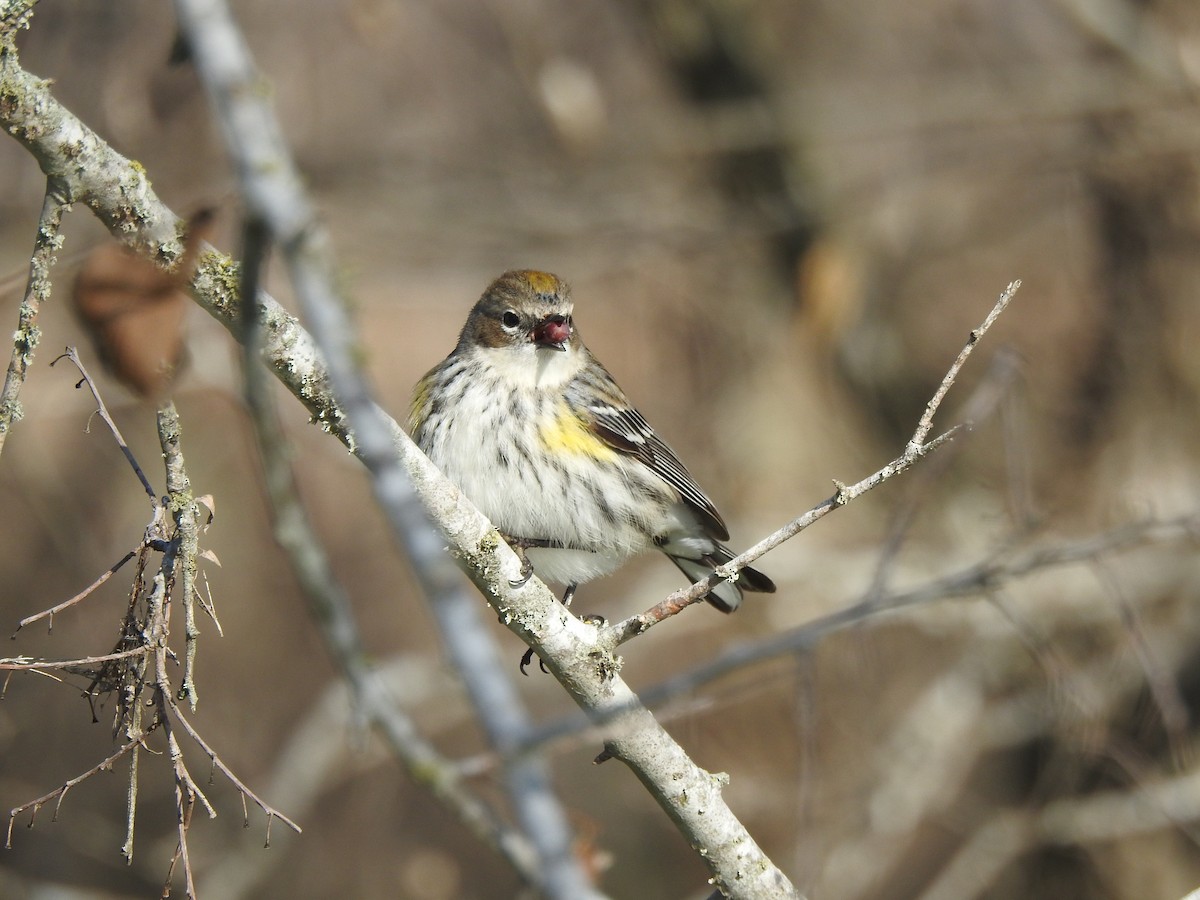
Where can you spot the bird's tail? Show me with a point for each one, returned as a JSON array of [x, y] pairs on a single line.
[[726, 596]]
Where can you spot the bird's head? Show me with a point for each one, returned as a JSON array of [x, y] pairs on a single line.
[[525, 310]]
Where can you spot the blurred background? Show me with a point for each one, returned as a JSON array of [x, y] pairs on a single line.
[[780, 220]]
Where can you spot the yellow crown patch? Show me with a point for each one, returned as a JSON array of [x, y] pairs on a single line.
[[542, 282]]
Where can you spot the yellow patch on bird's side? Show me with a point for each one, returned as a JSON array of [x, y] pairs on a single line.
[[567, 433], [542, 282], [416, 412]]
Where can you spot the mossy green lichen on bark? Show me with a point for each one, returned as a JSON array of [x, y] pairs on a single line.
[[14, 17], [217, 285], [11, 412]]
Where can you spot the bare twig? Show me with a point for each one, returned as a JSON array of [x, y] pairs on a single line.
[[677, 602], [981, 406], [37, 291], [20, 663], [145, 637], [916, 450], [71, 354], [55, 610], [270, 811], [131, 795], [186, 794], [931, 408], [186, 514], [59, 793], [970, 581], [1095, 819], [186, 790], [171, 711]]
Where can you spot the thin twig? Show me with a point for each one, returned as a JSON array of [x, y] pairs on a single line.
[[680, 600], [60, 792], [972, 581], [270, 811], [916, 449], [186, 793], [186, 515], [980, 407], [20, 663], [37, 291], [170, 710], [71, 354], [186, 789], [131, 791], [931, 408], [55, 610]]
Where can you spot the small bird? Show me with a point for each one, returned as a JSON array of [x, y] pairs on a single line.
[[524, 419]]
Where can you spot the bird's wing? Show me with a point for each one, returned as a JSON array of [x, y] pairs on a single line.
[[610, 417]]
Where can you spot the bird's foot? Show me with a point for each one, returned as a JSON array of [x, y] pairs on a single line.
[[527, 658], [519, 546]]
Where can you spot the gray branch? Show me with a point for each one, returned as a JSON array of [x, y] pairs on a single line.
[[274, 196], [27, 335], [120, 195]]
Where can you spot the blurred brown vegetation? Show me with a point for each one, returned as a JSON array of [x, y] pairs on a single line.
[[780, 219]]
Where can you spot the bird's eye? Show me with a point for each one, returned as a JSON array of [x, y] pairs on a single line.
[[510, 320]]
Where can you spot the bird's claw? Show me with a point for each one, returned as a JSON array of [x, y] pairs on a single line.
[[528, 658], [526, 571], [518, 546]]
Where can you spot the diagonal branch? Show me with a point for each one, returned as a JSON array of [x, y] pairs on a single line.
[[82, 595], [121, 197], [278, 205], [270, 184], [37, 291], [680, 600], [970, 581], [60, 792], [331, 611], [935, 402], [73, 355], [916, 449]]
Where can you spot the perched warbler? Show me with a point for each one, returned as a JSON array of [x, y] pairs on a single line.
[[539, 436]]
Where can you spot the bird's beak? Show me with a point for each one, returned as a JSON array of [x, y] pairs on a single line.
[[552, 332]]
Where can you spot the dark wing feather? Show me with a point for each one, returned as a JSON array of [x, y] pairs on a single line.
[[624, 429]]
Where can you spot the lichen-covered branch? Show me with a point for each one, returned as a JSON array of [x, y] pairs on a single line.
[[120, 195], [333, 614], [271, 187], [37, 291], [186, 513]]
